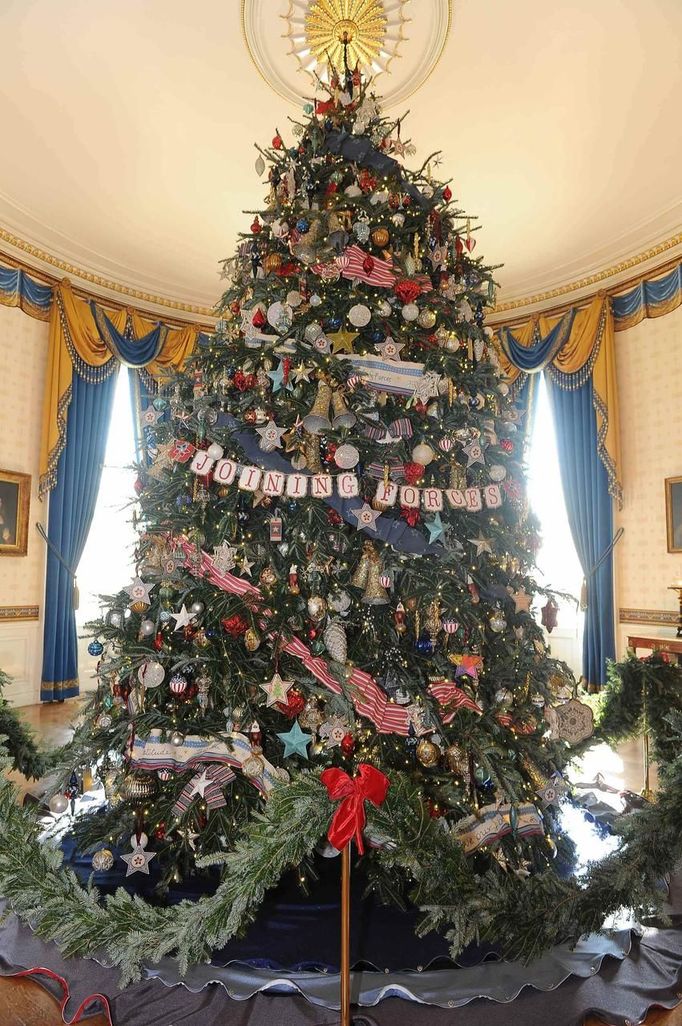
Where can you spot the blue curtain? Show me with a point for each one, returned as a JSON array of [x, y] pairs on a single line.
[[72, 504], [542, 351], [590, 516]]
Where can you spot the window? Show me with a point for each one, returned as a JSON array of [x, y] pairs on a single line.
[[107, 561], [557, 560]]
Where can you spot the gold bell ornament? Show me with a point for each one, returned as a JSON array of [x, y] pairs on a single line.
[[342, 416], [318, 418], [311, 452], [375, 594], [361, 572]]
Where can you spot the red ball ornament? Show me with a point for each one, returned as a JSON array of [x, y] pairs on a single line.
[[277, 142], [447, 193], [507, 445], [312, 633], [258, 319], [235, 307], [434, 809], [368, 264], [413, 472], [158, 641], [256, 226], [250, 417], [347, 744], [235, 625], [160, 832], [295, 704]]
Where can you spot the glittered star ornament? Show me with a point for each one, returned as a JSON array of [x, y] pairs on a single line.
[[270, 436], [342, 341], [139, 591], [553, 790], [301, 373], [295, 742], [183, 618], [436, 528], [277, 377], [474, 453], [246, 566], [200, 784], [366, 517], [150, 416], [522, 601], [138, 860], [427, 386], [277, 690], [389, 349], [482, 544]]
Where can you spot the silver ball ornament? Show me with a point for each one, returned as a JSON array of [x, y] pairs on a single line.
[[197, 608], [59, 803], [147, 628], [177, 739]]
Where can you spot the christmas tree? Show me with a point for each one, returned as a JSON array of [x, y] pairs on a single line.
[[335, 564]]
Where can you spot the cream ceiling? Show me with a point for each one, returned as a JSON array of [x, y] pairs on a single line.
[[127, 129]]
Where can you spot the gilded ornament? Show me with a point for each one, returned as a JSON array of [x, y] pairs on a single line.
[[428, 754]]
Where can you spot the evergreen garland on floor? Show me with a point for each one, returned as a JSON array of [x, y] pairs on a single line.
[[47, 894], [20, 743]]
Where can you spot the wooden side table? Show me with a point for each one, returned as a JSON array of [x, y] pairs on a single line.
[[653, 643]]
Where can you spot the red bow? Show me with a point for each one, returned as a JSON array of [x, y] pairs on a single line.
[[349, 819]]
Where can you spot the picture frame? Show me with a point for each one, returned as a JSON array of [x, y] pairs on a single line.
[[15, 499], [673, 513]]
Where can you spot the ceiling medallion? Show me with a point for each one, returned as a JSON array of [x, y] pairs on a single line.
[[374, 31], [320, 30]]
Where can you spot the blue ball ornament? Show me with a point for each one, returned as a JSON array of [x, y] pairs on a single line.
[[183, 500], [292, 506], [335, 323], [378, 336], [302, 225], [160, 403], [165, 615], [307, 108], [424, 645], [95, 648], [328, 124]]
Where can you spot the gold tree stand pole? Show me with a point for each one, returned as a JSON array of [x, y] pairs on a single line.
[[345, 936], [646, 790]]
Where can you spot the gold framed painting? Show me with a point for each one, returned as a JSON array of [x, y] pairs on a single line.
[[15, 497], [673, 513]]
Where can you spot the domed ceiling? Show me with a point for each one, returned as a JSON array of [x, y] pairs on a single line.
[[128, 128]]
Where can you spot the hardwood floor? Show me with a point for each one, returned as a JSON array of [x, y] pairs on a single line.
[[25, 1003]]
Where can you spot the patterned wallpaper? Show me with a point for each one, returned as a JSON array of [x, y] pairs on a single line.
[[23, 359], [649, 368]]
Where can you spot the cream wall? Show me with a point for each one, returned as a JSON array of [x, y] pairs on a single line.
[[649, 368], [23, 362]]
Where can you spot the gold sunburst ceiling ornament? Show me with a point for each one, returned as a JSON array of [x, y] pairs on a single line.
[[370, 30]]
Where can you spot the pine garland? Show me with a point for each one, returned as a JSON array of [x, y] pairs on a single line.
[[499, 907], [20, 743]]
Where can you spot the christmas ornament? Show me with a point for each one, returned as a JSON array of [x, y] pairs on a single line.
[[139, 786], [147, 628], [410, 312], [552, 790], [522, 601], [295, 703], [178, 684], [95, 648], [295, 742], [380, 237], [574, 721], [346, 456], [150, 674], [423, 454], [335, 641], [182, 619], [497, 621], [164, 775], [138, 860], [317, 607], [347, 745], [427, 752], [549, 614], [102, 860], [177, 739], [139, 591], [276, 689], [58, 804], [251, 640], [366, 518], [359, 315], [270, 436], [318, 418]]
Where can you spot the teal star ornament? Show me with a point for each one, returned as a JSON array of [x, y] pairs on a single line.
[[436, 528], [277, 378], [295, 742]]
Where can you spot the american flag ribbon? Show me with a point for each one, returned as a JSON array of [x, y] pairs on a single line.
[[452, 699], [361, 266], [399, 428], [396, 469], [368, 698], [218, 776]]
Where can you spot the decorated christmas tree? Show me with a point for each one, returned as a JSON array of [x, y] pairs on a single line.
[[335, 572]]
